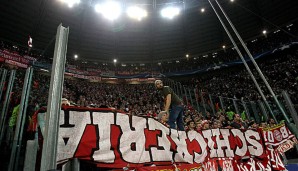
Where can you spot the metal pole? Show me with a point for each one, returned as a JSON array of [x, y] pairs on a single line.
[[196, 99], [185, 95], [6, 104], [204, 105], [190, 96], [262, 107], [221, 103], [255, 64], [3, 77], [236, 106], [181, 91], [212, 105], [293, 112], [18, 135], [30, 156], [245, 108], [244, 62], [49, 151], [176, 88], [291, 107], [255, 112]]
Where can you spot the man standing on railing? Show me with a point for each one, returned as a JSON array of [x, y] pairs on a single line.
[[173, 106]]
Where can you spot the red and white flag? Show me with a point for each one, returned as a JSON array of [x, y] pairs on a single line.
[[30, 41]]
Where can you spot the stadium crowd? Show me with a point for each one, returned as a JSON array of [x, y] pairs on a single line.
[[144, 100]]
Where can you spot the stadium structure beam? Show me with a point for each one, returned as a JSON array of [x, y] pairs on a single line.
[[49, 151], [243, 60]]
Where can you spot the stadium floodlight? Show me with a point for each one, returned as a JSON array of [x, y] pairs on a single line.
[[202, 10], [115, 60], [136, 13], [264, 32], [71, 3], [170, 12], [110, 10], [76, 56]]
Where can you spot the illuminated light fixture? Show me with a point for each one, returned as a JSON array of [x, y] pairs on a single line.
[[76, 56], [115, 60], [170, 12], [223, 46], [202, 10], [232, 0], [71, 3], [187, 55], [136, 13], [290, 25], [110, 10], [264, 31]]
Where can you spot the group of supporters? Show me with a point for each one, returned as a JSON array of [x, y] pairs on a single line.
[[279, 69]]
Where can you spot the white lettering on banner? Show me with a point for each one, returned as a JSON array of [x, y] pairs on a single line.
[[227, 165], [240, 151], [274, 158], [120, 138], [132, 140], [72, 126], [208, 135], [252, 164], [198, 157], [277, 135], [16, 63], [16, 57], [255, 148], [162, 153], [104, 153], [223, 143], [182, 155], [210, 166]]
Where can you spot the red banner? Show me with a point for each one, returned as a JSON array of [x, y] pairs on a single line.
[[18, 64], [116, 140], [15, 57], [279, 137]]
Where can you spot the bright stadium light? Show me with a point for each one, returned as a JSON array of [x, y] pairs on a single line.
[[264, 32], [170, 12], [110, 10], [76, 56], [202, 10], [115, 60], [136, 13], [71, 3]]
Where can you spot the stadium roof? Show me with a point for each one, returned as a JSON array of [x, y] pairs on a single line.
[[154, 38]]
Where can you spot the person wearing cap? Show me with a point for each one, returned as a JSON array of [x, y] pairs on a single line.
[[173, 106], [163, 117]]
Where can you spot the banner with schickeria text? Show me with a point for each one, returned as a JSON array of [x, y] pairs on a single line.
[[115, 140]]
